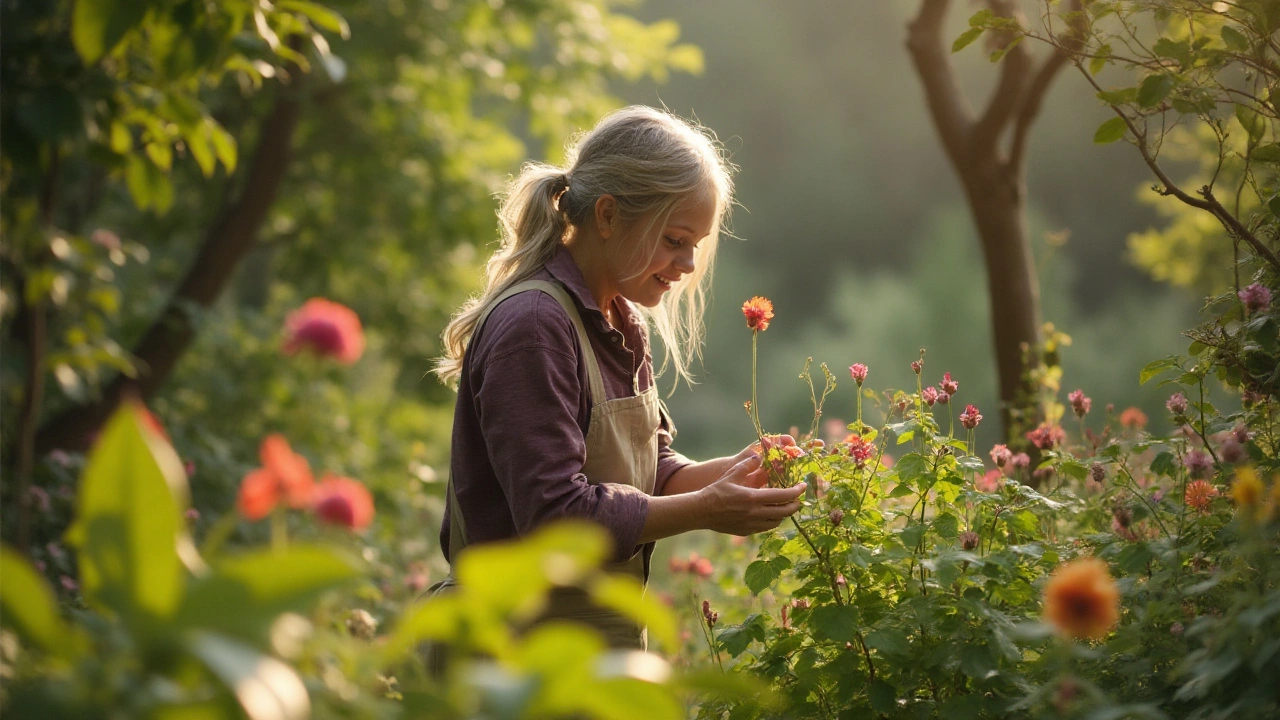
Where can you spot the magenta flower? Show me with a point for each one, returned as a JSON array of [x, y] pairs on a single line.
[[970, 417], [929, 395], [917, 366], [860, 450], [943, 398], [1198, 463], [1079, 403], [326, 328], [1001, 455], [859, 373], [948, 385], [1177, 403], [1255, 297]]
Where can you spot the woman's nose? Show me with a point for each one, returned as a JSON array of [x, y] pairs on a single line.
[[684, 260]]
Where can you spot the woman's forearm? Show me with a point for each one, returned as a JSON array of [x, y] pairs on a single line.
[[673, 514], [697, 476]]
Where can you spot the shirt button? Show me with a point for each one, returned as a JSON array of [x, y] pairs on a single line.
[[615, 339]]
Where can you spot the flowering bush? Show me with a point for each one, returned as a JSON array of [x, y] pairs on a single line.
[[1115, 579]]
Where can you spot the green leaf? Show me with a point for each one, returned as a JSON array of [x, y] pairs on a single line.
[[735, 638], [1110, 131], [1234, 39], [910, 467], [149, 186], [129, 529], [1099, 59], [626, 595], [838, 623], [1164, 464], [30, 607], [1175, 50], [946, 525], [762, 573], [261, 585], [224, 146], [1266, 153], [966, 37], [266, 688], [1155, 367], [322, 16], [884, 699], [976, 661], [889, 641], [1252, 121], [97, 26], [1155, 88], [998, 55]]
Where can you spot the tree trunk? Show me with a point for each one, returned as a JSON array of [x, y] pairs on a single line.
[[993, 179], [228, 240]]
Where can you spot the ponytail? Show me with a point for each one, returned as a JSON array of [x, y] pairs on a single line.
[[532, 228]]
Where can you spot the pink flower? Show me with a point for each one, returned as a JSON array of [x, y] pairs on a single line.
[[343, 501], [859, 373], [860, 450], [105, 238], [677, 566], [943, 398], [917, 366], [68, 583], [1021, 460], [929, 395], [326, 328], [988, 483], [708, 615], [1177, 403], [1255, 297], [701, 567], [948, 386], [39, 499], [1046, 436], [1198, 463], [191, 514], [970, 417], [1001, 455], [1079, 403], [1241, 434], [1232, 451]]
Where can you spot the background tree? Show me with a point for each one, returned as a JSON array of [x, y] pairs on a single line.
[[994, 178]]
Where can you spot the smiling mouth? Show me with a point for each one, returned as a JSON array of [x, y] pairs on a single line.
[[664, 282]]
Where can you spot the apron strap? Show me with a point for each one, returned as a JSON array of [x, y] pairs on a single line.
[[457, 530]]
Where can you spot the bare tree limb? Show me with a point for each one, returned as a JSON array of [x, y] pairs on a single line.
[[947, 104]]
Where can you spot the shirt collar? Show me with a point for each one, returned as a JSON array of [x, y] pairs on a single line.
[[566, 271]]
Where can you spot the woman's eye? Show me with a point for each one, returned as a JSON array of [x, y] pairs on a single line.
[[674, 242]]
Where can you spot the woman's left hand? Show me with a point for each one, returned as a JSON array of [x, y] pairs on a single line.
[[761, 449]]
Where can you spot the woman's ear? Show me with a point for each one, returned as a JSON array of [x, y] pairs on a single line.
[[606, 212]]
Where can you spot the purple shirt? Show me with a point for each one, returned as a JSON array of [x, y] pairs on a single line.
[[520, 424]]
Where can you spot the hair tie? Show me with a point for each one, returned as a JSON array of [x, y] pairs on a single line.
[[561, 184]]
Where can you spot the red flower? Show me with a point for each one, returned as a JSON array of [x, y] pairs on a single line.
[[758, 311], [326, 328], [860, 450], [343, 501], [970, 417], [284, 476], [929, 395], [948, 385]]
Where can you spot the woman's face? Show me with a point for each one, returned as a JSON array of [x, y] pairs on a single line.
[[688, 224]]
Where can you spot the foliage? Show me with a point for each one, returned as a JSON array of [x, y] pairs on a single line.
[[1201, 88], [912, 587]]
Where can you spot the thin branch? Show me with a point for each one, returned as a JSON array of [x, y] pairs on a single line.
[[1015, 70]]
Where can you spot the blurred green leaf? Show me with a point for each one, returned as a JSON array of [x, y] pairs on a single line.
[[30, 608], [128, 527], [966, 37], [838, 623], [266, 688], [1155, 88], [320, 15], [627, 596], [97, 26], [1234, 39]]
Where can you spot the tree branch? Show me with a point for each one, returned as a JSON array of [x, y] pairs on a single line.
[[951, 113], [1015, 69], [231, 236]]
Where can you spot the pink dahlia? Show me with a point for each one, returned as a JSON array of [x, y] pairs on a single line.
[[326, 328]]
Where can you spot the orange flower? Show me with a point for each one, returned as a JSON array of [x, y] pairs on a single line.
[[1133, 417], [1081, 599], [1199, 494], [758, 311], [284, 476], [326, 328], [343, 501]]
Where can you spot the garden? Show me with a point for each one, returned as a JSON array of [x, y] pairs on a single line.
[[232, 235]]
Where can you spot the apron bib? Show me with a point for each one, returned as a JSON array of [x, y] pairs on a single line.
[[622, 446]]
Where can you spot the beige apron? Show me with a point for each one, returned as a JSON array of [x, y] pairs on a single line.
[[622, 447]]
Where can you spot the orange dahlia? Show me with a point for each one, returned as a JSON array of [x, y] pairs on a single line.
[[1081, 599], [758, 311], [1133, 417], [285, 476], [1199, 494]]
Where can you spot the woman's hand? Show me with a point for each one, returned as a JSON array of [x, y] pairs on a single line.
[[739, 504]]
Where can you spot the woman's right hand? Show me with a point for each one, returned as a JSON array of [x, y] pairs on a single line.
[[737, 503]]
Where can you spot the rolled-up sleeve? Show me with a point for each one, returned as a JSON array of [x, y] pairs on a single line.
[[669, 461], [528, 404]]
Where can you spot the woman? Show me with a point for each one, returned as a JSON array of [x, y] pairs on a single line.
[[558, 414]]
